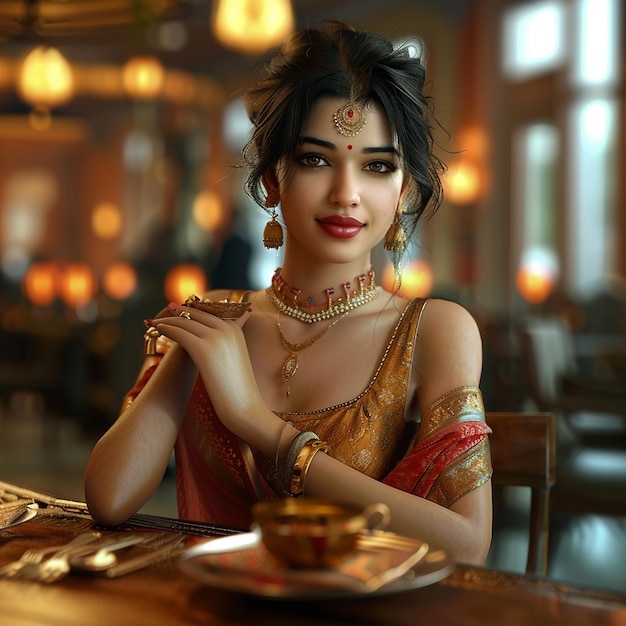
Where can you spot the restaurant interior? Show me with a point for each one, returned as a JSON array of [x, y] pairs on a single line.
[[121, 128]]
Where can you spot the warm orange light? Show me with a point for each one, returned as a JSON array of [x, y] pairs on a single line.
[[208, 211], [106, 220], [77, 284], [416, 279], [184, 280], [252, 26], [45, 78], [119, 280], [537, 274], [40, 283], [143, 77], [462, 181], [534, 284]]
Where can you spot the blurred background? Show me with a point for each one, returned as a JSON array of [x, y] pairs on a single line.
[[120, 190]]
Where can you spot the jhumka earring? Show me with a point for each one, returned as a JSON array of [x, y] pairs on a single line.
[[273, 232], [395, 239]]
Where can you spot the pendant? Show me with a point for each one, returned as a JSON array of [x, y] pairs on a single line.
[[290, 367]]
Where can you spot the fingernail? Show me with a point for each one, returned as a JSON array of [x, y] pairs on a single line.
[[148, 322], [249, 309], [172, 306]]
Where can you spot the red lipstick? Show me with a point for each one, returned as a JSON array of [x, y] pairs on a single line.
[[341, 227]]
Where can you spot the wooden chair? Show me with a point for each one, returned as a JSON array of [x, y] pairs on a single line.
[[523, 453]]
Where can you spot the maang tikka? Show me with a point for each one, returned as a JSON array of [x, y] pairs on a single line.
[[273, 232], [349, 120]]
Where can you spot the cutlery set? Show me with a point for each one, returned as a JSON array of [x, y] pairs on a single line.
[[95, 553]]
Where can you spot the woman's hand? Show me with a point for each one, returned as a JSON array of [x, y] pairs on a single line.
[[218, 350]]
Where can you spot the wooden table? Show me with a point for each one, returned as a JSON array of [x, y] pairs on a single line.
[[162, 595]]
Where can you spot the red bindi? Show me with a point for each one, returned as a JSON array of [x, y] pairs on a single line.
[[350, 146]]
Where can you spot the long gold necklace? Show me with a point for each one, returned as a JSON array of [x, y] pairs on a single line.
[[290, 365], [286, 298]]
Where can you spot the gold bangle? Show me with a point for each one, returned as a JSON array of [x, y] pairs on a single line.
[[302, 464], [295, 447]]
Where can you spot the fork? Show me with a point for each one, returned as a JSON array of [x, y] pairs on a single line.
[[58, 566], [32, 557]]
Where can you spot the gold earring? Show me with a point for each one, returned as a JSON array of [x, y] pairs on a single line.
[[395, 239], [273, 233]]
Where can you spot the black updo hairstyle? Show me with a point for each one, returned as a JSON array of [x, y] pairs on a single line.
[[337, 60]]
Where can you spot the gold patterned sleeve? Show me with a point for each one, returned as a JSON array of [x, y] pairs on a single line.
[[450, 456]]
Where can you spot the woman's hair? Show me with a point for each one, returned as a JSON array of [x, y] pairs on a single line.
[[336, 60]]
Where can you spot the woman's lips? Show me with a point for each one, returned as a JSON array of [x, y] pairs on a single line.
[[341, 227]]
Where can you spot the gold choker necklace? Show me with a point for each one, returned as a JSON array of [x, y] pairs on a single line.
[[285, 299]]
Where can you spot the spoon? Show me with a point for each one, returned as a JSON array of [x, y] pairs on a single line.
[[103, 558]]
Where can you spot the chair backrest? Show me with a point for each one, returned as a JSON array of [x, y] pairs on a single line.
[[523, 453], [548, 356]]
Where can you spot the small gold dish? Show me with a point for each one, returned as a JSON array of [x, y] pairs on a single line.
[[311, 533], [224, 309]]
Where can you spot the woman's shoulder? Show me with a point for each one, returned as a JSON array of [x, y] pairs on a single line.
[[450, 338], [447, 324], [440, 313]]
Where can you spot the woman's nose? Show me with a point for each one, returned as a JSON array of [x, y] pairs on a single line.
[[345, 189]]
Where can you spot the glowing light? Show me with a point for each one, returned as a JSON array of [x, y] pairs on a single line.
[[77, 284], [416, 279], [106, 220], [184, 280], [252, 26], [45, 78], [119, 280], [536, 276], [208, 211], [40, 283], [462, 182], [143, 77]]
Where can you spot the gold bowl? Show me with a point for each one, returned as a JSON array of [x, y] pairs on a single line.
[[224, 309], [311, 533]]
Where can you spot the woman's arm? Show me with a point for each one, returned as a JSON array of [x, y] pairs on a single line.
[[449, 356], [464, 529], [128, 463]]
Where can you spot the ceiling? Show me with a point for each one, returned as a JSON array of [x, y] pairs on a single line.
[[108, 37]]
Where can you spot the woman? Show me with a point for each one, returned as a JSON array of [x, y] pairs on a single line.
[[313, 387]]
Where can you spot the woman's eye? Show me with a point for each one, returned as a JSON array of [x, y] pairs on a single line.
[[312, 160], [381, 167]]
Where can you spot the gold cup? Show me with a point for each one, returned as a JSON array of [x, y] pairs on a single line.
[[311, 533], [224, 309]]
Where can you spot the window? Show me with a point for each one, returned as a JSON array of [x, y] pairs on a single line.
[[586, 57], [533, 37]]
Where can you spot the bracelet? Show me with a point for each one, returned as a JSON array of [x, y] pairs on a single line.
[[298, 442], [278, 445], [302, 464]]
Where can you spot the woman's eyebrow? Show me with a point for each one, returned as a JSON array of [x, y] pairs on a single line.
[[319, 142], [388, 149], [331, 146]]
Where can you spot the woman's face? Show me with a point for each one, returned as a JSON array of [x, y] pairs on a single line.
[[339, 194]]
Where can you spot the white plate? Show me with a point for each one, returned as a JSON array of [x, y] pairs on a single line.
[[243, 565], [28, 514]]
